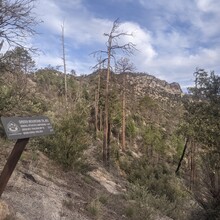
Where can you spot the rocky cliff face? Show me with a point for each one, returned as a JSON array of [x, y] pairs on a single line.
[[144, 84], [141, 84]]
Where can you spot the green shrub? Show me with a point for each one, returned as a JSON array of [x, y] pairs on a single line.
[[131, 130], [138, 207], [115, 152], [103, 199], [155, 187], [159, 179], [129, 211], [152, 205], [94, 207], [69, 141]]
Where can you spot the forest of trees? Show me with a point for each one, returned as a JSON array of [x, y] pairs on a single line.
[[100, 109]]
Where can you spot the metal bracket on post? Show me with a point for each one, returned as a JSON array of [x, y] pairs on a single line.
[[12, 162]]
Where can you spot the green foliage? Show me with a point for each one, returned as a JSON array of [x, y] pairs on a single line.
[[17, 91], [18, 60], [115, 152], [103, 199], [138, 119], [131, 129], [203, 111], [158, 178], [130, 211], [147, 206], [15, 102], [69, 142], [154, 185], [36, 105], [203, 122], [5, 98], [177, 142], [149, 109], [141, 208], [94, 207], [148, 103], [50, 79], [153, 137]]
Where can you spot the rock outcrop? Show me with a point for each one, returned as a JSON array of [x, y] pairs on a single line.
[[145, 84]]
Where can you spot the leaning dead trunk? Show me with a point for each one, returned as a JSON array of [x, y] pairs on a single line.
[[182, 156]]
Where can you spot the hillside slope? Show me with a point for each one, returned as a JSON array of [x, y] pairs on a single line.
[[40, 189], [139, 184]]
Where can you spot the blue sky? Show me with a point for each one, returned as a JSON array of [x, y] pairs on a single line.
[[173, 37]]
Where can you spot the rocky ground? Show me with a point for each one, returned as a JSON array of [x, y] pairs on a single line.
[[39, 189]]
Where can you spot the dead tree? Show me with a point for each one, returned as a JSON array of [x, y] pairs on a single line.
[[17, 22], [112, 46], [97, 97], [182, 156], [123, 67], [192, 163], [64, 65]]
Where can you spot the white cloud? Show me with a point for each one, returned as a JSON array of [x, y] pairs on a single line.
[[88, 33], [51, 15], [141, 38], [181, 67], [208, 5], [79, 23], [180, 49], [180, 36]]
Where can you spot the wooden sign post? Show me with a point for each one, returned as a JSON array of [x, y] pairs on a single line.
[[21, 128]]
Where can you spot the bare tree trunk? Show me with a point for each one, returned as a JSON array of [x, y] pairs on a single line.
[[64, 64], [123, 114], [100, 120], [106, 145], [192, 164], [113, 36], [96, 113], [1, 44], [123, 66], [97, 104]]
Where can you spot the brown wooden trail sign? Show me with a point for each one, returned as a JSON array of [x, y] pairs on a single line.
[[21, 128]]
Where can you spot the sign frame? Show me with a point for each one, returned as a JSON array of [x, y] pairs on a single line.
[[26, 127]]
